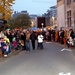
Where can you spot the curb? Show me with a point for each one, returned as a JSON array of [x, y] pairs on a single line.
[[1, 58]]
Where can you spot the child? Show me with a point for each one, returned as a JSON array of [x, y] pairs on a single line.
[[40, 41], [14, 43], [7, 43], [3, 47], [70, 42]]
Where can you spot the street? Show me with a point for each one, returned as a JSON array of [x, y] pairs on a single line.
[[49, 61]]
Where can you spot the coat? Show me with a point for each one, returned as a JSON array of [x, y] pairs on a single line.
[[33, 36], [40, 38]]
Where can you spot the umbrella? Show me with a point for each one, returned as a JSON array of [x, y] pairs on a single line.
[[34, 28]]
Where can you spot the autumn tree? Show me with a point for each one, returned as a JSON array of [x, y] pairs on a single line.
[[6, 8], [11, 23], [23, 20]]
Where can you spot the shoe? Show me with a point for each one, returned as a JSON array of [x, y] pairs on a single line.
[[14, 51], [5, 55], [28, 51]]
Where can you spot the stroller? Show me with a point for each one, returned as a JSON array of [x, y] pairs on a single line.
[[19, 45], [70, 42]]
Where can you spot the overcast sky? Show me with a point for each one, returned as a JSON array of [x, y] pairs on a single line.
[[33, 6]]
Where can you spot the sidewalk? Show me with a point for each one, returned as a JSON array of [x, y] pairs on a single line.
[[9, 55]]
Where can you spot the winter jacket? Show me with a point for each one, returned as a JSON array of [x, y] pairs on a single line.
[[33, 36], [40, 38]]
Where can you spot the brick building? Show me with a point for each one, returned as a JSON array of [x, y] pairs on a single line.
[[66, 14]]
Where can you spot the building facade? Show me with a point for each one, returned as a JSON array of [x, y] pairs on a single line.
[[66, 14], [70, 13], [51, 13], [61, 14]]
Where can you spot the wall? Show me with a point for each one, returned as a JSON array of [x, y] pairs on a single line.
[[61, 16]]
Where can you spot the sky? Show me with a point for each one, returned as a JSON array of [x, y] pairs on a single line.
[[38, 7]]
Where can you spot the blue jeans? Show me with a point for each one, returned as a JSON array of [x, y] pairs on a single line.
[[10, 48], [28, 45]]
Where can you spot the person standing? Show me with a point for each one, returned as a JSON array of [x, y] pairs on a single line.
[[33, 38], [27, 41], [9, 36], [40, 41], [74, 37], [72, 33], [23, 38], [61, 37]]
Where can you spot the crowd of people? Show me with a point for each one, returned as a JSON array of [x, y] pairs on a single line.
[[12, 40], [66, 37]]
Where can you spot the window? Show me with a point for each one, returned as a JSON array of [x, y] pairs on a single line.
[[68, 2], [69, 18]]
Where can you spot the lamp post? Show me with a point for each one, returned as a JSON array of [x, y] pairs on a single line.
[[53, 19], [42, 25], [32, 24]]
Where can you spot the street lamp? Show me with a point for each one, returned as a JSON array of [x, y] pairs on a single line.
[[53, 19], [32, 24], [42, 25]]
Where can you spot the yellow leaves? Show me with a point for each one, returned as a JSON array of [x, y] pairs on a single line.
[[6, 8]]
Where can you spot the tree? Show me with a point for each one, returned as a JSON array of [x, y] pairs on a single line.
[[11, 23], [6, 8], [22, 20]]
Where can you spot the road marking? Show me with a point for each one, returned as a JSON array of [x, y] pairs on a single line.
[[48, 42], [64, 49], [64, 74]]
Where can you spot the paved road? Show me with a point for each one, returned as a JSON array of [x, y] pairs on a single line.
[[50, 61]]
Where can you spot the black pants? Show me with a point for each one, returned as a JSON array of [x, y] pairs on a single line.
[[33, 44], [61, 40], [40, 46]]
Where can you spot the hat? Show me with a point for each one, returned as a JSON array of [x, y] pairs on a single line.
[[13, 39], [8, 29]]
